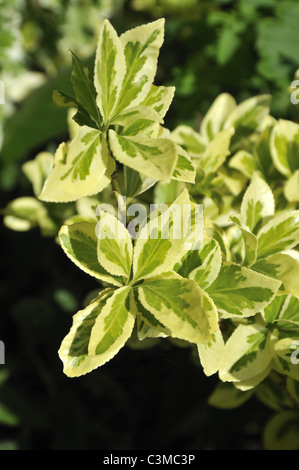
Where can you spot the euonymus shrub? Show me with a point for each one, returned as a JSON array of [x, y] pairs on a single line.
[[234, 298]]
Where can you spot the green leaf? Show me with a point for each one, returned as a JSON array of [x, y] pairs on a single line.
[[247, 353], [257, 204], [63, 100], [74, 348], [178, 304], [282, 431], [79, 242], [136, 183], [272, 311], [7, 417], [161, 242], [110, 70], [216, 116], [155, 158], [82, 168], [113, 327], [84, 89], [115, 249], [227, 397], [285, 147], [239, 291], [141, 49], [279, 234]]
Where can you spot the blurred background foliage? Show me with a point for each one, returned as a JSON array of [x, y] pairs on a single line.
[[153, 397]]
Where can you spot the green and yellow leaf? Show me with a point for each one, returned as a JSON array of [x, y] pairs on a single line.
[[284, 146], [216, 116], [110, 70], [155, 158], [141, 47], [247, 353], [79, 242], [113, 327], [257, 204], [240, 291], [74, 348], [161, 242], [179, 304], [279, 234], [115, 249], [80, 169]]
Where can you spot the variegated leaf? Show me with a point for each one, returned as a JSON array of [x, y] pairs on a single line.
[[247, 353], [286, 269], [184, 170], [115, 249], [250, 242], [74, 348], [209, 264], [284, 146], [279, 234], [141, 47], [291, 189], [211, 353], [245, 162], [257, 204], [147, 324], [240, 291], [80, 169], [139, 120], [216, 116], [190, 140], [155, 158], [288, 316], [79, 242], [286, 352], [110, 70], [216, 153], [161, 242], [247, 119], [250, 384], [113, 327], [272, 311], [159, 99], [178, 304]]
